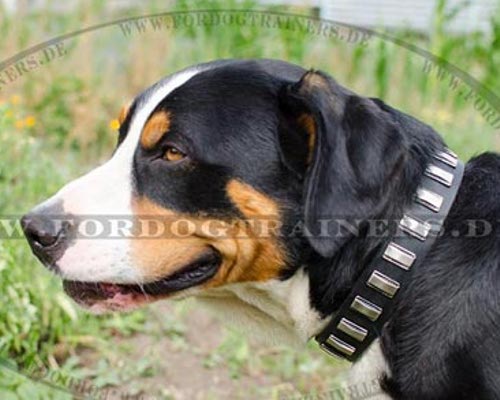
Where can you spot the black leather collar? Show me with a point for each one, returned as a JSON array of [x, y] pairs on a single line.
[[369, 305]]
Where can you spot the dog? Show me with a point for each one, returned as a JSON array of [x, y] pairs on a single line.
[[255, 149]]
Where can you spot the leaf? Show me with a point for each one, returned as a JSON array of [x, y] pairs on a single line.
[[67, 306], [4, 395], [28, 390]]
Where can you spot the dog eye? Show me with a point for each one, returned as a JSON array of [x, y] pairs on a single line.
[[173, 154]]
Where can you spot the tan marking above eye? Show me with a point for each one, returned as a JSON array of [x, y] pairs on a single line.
[[155, 128], [123, 113]]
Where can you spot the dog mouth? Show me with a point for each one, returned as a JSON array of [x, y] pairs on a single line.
[[107, 296]]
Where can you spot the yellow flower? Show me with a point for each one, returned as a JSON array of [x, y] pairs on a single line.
[[427, 112], [9, 113], [30, 121], [114, 124], [19, 124], [16, 99], [443, 116]]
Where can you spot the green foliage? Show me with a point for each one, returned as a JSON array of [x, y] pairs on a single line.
[[37, 320], [382, 69], [35, 315], [55, 107], [24, 318], [30, 320]]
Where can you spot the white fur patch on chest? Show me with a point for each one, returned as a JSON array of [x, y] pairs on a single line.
[[280, 312], [275, 312]]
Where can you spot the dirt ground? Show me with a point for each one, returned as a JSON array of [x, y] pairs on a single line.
[[196, 359]]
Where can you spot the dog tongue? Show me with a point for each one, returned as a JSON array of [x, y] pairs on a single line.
[[103, 297], [110, 289], [85, 292]]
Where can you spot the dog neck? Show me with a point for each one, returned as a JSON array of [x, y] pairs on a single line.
[[295, 309], [274, 312]]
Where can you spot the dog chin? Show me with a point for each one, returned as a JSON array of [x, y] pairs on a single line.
[[112, 296], [119, 303], [99, 298]]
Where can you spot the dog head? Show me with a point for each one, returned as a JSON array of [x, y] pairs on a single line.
[[220, 176]]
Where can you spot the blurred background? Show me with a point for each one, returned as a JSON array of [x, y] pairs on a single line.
[[58, 119]]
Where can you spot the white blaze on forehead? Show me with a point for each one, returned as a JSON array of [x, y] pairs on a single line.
[[107, 191], [145, 108]]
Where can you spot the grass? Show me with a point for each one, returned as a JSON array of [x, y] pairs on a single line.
[[54, 124]]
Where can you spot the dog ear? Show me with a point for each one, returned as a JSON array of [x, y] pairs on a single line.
[[356, 151]]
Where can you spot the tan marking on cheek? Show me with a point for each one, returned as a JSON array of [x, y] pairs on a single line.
[[164, 241], [250, 201], [154, 129], [250, 247], [308, 123], [253, 248]]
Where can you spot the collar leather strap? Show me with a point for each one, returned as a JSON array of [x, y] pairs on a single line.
[[369, 305]]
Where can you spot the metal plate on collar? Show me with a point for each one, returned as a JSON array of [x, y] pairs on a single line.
[[399, 256], [418, 229], [429, 199], [366, 308], [353, 330], [385, 285], [341, 346], [439, 175], [447, 157]]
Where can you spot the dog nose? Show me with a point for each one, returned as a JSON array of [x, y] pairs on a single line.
[[40, 230], [47, 236]]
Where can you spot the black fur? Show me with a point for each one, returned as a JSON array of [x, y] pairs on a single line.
[[239, 120]]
